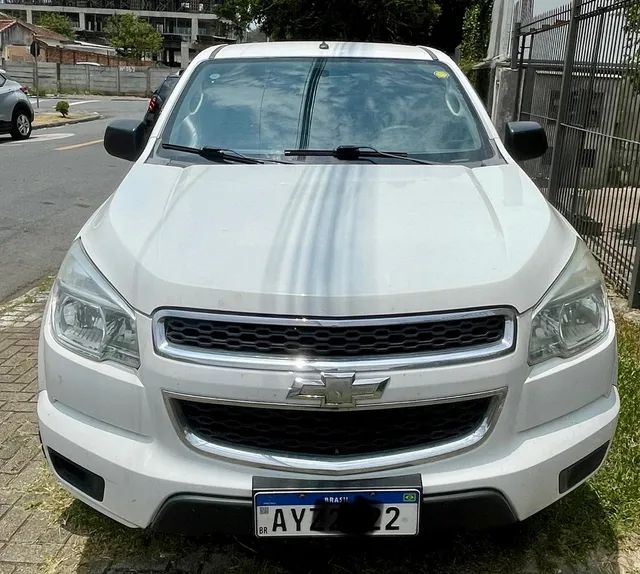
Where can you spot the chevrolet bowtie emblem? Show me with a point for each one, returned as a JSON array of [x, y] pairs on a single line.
[[336, 390]]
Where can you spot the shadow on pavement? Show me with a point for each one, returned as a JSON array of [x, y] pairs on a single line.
[[573, 535]]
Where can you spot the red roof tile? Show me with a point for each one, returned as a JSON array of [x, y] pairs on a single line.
[[38, 31], [4, 24]]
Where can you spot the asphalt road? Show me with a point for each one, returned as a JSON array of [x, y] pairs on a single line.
[[50, 185]]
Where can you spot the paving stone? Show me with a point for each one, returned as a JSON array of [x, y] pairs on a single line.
[[29, 474], [31, 387], [28, 553], [19, 460], [28, 569], [8, 430], [32, 529], [11, 521], [10, 351], [18, 358], [8, 497], [3, 510], [9, 448], [23, 417], [6, 388], [54, 534], [27, 407]]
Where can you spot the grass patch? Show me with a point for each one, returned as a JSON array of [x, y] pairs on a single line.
[[584, 532]]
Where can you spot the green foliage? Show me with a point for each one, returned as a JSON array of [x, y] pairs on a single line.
[[56, 22], [133, 37], [632, 27], [400, 21], [240, 14], [62, 107], [476, 29]]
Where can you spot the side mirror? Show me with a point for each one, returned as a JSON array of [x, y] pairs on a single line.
[[125, 139], [525, 140]]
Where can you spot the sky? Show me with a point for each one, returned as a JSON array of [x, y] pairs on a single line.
[[544, 5]]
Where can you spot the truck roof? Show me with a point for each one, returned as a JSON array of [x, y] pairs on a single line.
[[318, 49]]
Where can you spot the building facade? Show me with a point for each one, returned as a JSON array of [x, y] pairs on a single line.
[[186, 25]]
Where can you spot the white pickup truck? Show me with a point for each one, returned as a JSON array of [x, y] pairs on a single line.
[[326, 301]]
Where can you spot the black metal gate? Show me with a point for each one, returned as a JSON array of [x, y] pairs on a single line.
[[579, 76]]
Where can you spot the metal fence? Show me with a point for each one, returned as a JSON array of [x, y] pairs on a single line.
[[579, 76]]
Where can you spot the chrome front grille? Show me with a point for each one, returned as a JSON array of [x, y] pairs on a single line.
[[364, 343], [334, 433], [334, 441], [322, 341]]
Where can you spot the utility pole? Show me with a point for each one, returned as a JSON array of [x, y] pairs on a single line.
[[35, 52]]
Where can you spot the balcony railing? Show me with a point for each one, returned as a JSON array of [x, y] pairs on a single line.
[[190, 6]]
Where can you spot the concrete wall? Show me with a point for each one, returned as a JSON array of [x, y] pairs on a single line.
[[505, 93], [70, 78]]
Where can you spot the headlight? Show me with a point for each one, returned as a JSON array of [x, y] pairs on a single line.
[[574, 313], [89, 316]]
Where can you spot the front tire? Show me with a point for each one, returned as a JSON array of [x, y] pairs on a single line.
[[21, 125]]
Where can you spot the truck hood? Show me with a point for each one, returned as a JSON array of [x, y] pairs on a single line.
[[328, 240]]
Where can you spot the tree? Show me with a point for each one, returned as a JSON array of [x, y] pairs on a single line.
[[399, 21], [632, 29], [133, 37], [447, 33], [476, 30], [239, 13], [56, 22]]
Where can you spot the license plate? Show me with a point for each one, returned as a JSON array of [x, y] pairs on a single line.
[[384, 512]]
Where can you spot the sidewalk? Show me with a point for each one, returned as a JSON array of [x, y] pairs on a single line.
[[42, 529], [26, 539]]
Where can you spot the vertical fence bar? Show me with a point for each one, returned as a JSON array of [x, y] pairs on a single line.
[[584, 118], [565, 93], [516, 101]]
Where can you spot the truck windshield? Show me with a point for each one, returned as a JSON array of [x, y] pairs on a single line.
[[262, 107]]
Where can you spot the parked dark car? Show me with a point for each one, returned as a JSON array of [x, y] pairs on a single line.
[[158, 99]]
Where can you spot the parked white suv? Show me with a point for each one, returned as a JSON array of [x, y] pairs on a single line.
[[325, 300], [16, 112]]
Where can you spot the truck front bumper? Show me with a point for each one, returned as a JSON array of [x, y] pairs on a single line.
[[146, 484]]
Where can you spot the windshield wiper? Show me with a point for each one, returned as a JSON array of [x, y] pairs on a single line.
[[219, 154], [354, 152]]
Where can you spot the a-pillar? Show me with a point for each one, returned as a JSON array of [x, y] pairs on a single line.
[[83, 22], [29, 16]]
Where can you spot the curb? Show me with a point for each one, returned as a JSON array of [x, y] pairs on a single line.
[[67, 123], [38, 291]]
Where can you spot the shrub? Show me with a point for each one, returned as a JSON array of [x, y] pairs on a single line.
[[63, 107]]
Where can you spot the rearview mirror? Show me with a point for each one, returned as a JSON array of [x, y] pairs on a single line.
[[525, 140], [125, 139]]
